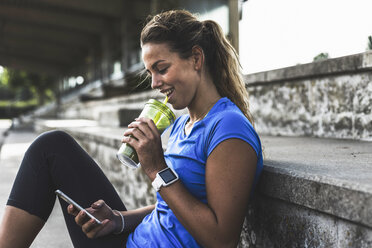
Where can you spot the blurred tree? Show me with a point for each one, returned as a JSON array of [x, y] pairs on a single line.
[[321, 56], [28, 84]]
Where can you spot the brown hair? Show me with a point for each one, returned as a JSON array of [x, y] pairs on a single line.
[[182, 31]]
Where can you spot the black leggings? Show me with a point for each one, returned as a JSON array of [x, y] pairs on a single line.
[[56, 161]]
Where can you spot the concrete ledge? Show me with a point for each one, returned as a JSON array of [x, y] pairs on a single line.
[[317, 191], [328, 99], [329, 175], [115, 112], [347, 64], [313, 193]]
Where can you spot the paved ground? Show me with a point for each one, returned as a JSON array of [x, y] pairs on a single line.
[[54, 234]]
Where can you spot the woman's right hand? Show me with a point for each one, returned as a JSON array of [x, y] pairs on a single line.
[[111, 222]]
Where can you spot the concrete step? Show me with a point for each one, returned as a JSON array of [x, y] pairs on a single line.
[[114, 112], [93, 109], [313, 192], [330, 98]]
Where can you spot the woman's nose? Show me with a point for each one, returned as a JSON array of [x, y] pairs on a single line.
[[155, 82]]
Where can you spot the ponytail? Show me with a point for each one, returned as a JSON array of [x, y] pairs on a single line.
[[182, 31], [224, 67]]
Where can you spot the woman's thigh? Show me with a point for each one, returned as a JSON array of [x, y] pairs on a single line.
[[56, 161]]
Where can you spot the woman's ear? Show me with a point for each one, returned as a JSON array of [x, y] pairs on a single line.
[[197, 57]]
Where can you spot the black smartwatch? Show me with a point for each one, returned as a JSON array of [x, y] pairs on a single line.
[[164, 178]]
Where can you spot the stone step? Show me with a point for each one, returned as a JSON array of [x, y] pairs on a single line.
[[115, 112], [313, 192], [95, 110], [330, 98]]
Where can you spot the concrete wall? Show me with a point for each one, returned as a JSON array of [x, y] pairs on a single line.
[[299, 202], [330, 98]]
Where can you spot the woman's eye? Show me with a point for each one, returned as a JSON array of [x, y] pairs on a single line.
[[163, 71]]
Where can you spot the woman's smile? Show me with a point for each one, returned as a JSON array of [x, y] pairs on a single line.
[[168, 92]]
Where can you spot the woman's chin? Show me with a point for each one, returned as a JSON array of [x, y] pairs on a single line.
[[177, 106]]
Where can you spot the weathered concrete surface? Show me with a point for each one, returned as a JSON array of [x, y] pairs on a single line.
[[96, 110], [133, 185], [276, 223], [331, 98], [313, 192], [347, 64]]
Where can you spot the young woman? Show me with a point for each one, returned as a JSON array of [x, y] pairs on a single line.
[[213, 159]]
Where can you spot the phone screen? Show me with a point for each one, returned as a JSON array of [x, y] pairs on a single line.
[[67, 199]]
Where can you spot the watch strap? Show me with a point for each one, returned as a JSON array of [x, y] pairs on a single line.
[[157, 183], [160, 182]]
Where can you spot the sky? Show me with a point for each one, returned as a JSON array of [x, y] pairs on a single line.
[[281, 33]]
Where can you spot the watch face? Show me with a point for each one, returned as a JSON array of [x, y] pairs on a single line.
[[167, 175]]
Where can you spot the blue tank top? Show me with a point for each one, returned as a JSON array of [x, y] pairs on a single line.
[[187, 155]]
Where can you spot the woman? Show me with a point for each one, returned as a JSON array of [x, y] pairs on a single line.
[[214, 154]]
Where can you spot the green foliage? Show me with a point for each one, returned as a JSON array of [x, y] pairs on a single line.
[[18, 104], [369, 43], [27, 86], [4, 78], [321, 56]]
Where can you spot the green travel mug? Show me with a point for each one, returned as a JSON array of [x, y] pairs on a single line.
[[162, 116]]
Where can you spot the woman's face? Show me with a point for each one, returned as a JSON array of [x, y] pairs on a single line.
[[173, 76]]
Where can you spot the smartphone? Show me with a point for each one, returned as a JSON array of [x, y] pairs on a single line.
[[70, 201]]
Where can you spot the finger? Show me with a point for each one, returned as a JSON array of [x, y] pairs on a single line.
[[150, 123], [81, 218], [128, 132], [144, 126], [139, 134], [104, 228], [130, 140], [72, 210], [89, 228], [95, 231], [98, 204]]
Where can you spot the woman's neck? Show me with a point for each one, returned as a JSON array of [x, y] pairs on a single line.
[[202, 106], [205, 97]]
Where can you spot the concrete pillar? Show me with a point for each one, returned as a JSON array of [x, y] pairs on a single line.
[[154, 7], [59, 91], [106, 63], [125, 35], [234, 17]]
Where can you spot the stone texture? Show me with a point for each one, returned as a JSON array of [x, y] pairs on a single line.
[[336, 106], [349, 64], [274, 223], [132, 185]]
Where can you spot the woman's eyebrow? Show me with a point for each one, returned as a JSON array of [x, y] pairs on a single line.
[[156, 63]]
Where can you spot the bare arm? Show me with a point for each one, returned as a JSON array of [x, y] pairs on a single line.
[[111, 221], [134, 217], [230, 172]]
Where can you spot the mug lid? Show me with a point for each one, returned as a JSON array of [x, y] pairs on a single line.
[[163, 108]]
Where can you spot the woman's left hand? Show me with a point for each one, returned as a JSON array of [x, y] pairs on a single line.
[[144, 137]]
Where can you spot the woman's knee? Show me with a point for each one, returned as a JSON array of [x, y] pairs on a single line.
[[52, 139]]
